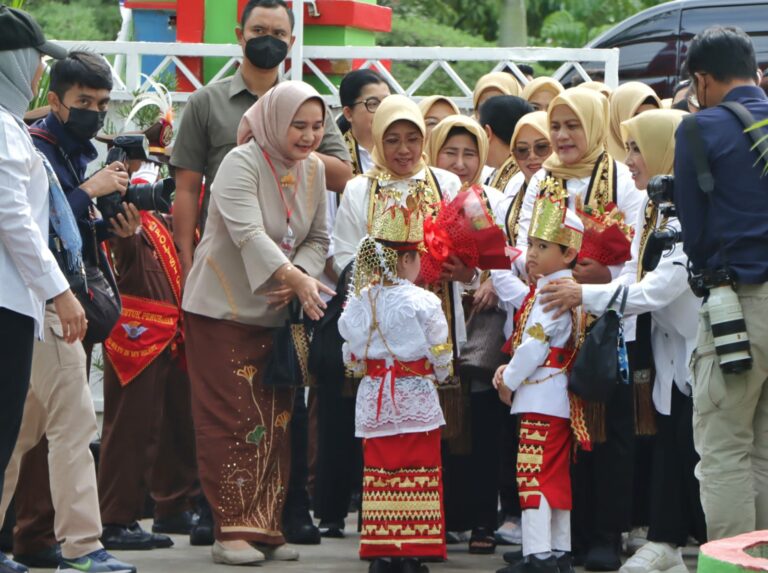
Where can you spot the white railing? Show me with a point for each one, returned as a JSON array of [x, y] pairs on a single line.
[[129, 80]]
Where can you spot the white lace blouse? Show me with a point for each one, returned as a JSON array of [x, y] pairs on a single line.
[[411, 327]]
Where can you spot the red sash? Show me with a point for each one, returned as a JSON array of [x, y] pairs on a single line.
[[143, 331], [146, 327], [379, 369], [559, 358]]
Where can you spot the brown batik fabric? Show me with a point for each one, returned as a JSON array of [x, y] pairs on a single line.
[[241, 428]]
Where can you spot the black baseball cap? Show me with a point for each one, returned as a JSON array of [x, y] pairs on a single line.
[[20, 30]]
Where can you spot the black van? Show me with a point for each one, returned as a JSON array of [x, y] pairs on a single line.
[[653, 43]]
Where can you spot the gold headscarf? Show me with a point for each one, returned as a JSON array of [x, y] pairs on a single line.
[[502, 81], [598, 87], [393, 108], [538, 120], [426, 104], [440, 134], [623, 105], [654, 133], [592, 110], [544, 83]]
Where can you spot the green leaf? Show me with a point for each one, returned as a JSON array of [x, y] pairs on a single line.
[[256, 435]]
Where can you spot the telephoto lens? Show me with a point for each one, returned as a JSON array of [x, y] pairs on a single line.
[[729, 330]]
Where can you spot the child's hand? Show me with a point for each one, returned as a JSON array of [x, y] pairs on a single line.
[[505, 394], [498, 378]]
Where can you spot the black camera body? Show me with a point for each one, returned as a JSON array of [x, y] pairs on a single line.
[[145, 196], [661, 192]]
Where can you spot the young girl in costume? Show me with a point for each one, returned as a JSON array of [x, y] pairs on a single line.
[[395, 336]]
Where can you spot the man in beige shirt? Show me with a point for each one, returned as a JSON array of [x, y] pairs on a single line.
[[209, 123]]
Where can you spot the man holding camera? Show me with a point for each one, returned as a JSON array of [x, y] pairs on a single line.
[[59, 404], [722, 204]]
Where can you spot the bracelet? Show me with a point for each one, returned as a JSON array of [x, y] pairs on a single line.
[[474, 277]]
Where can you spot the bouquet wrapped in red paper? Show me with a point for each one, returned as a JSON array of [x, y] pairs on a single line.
[[464, 228], [607, 237]]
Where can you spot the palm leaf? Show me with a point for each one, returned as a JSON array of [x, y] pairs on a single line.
[[764, 138]]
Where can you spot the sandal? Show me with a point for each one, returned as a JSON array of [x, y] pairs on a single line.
[[482, 542]]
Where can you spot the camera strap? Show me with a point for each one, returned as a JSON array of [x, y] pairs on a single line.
[[758, 135], [698, 154]]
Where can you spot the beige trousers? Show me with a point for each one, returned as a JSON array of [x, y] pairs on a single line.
[[730, 426], [59, 405]]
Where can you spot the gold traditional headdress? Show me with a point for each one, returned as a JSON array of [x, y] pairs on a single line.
[[552, 220], [398, 225]]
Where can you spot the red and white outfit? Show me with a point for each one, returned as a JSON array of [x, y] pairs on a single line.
[[537, 377], [396, 335]]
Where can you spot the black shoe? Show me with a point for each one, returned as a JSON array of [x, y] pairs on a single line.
[[332, 528], [412, 566], [532, 565], [180, 523], [132, 538], [565, 563], [7, 565], [380, 566], [301, 531], [48, 558], [160, 541], [201, 533], [513, 557], [603, 557]]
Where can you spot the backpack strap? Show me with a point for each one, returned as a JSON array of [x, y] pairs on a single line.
[[44, 135], [757, 134]]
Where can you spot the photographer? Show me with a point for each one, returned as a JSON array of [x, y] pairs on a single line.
[[60, 404], [725, 235]]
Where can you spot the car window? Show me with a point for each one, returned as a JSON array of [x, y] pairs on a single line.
[[752, 18], [664, 25]]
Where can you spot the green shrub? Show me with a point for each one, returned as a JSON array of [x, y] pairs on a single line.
[[77, 20]]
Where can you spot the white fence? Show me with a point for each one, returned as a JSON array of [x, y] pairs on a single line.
[[129, 80]]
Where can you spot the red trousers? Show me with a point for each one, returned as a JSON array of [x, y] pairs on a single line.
[[403, 497]]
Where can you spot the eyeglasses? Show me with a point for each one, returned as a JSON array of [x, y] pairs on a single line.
[[371, 104], [539, 149]]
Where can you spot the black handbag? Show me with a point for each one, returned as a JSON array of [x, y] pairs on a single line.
[[596, 369], [96, 294], [326, 360], [481, 354], [287, 366]]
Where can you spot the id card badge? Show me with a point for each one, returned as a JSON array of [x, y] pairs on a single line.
[[288, 242]]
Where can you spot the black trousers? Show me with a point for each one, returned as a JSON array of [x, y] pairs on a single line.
[[675, 504], [602, 479], [509, 496], [297, 497], [339, 454], [17, 339], [471, 482]]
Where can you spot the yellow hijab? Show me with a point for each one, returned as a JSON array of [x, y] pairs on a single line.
[[538, 120], [543, 83], [502, 81], [393, 108], [623, 105], [426, 104], [598, 87], [654, 133], [592, 110], [440, 134]]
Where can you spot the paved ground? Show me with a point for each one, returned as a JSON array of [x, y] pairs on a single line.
[[336, 555]]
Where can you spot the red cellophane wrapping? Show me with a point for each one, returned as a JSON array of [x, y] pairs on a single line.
[[607, 238], [466, 229]]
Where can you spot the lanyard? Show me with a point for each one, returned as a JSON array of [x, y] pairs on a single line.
[[288, 209]]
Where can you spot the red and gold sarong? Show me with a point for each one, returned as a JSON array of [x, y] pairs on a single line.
[[403, 497], [543, 463]]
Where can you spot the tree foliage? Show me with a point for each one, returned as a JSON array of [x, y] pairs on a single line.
[[76, 19]]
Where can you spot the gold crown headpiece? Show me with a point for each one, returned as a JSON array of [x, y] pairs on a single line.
[[398, 216], [552, 220]]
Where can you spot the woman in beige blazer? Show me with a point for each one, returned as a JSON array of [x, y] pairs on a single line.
[[265, 240]]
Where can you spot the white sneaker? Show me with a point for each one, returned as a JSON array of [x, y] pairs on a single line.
[[510, 531], [634, 540], [655, 558], [278, 552]]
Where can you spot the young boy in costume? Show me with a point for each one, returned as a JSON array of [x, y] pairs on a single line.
[[395, 335], [543, 348]]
